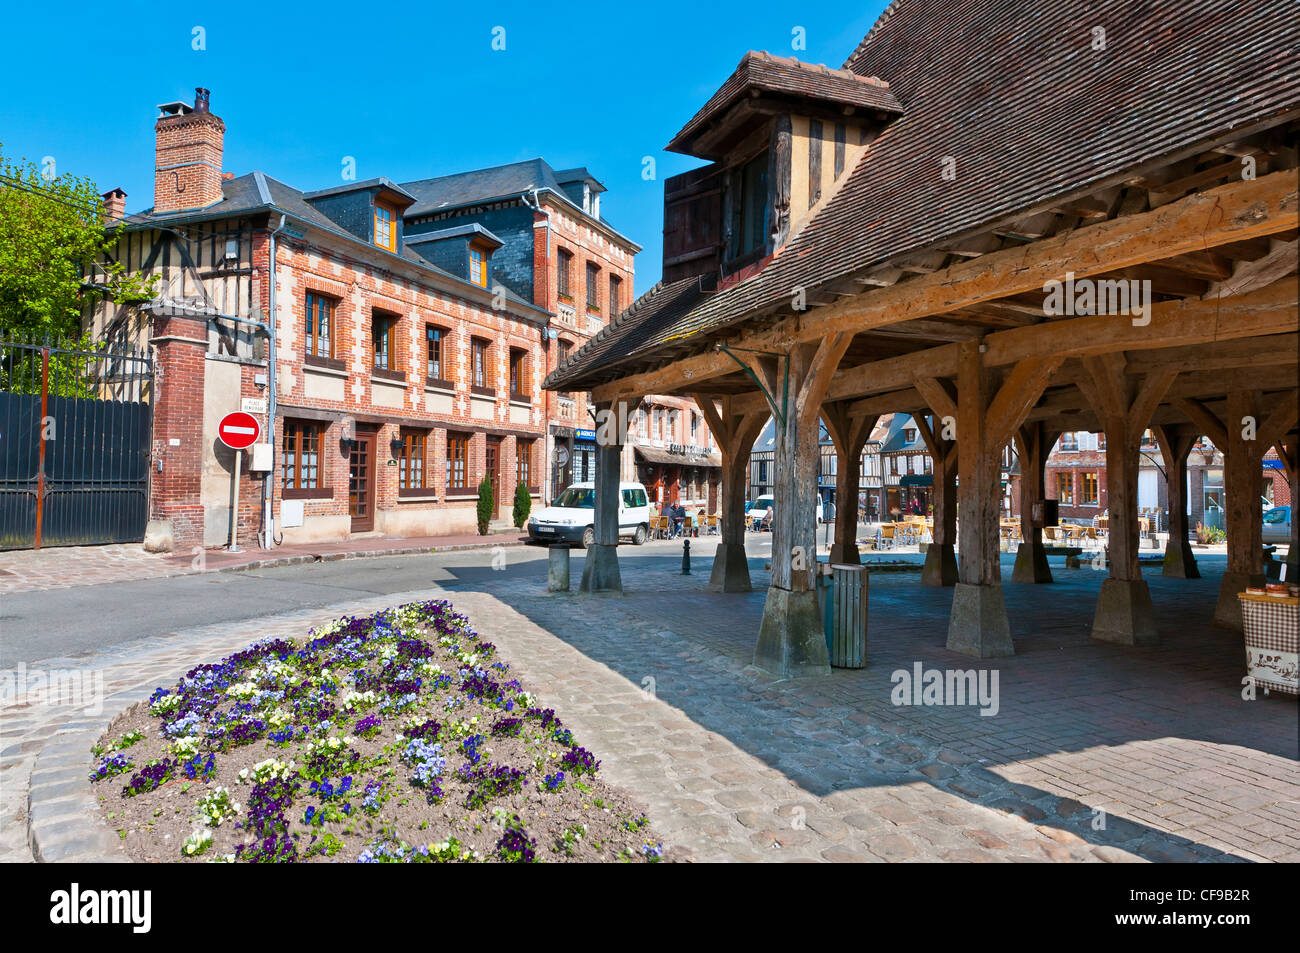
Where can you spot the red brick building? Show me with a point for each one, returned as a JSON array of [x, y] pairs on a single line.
[[389, 364]]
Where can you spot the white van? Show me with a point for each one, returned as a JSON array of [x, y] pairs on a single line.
[[765, 504], [571, 516]]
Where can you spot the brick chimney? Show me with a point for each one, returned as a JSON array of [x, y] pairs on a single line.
[[187, 156], [114, 205]]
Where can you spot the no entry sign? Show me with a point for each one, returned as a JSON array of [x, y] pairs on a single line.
[[238, 430]]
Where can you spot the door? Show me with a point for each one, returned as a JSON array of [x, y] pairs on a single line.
[[361, 482], [494, 471]]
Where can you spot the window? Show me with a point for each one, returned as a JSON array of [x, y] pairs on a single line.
[[634, 498], [1088, 490], [320, 326], [593, 291], [410, 465], [762, 472], [478, 265], [751, 236], [385, 227], [1069, 441], [457, 461], [1101, 441], [518, 373], [929, 464], [479, 368], [909, 435], [563, 265], [642, 423], [301, 457], [433, 341], [383, 336], [615, 295], [524, 460], [1065, 489], [694, 425]]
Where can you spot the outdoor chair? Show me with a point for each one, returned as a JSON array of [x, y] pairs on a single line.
[[885, 536], [713, 524], [659, 527]]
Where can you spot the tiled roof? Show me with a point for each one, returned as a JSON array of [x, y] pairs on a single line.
[[480, 185], [782, 74], [1015, 92]]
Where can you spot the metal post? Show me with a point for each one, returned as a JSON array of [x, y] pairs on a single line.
[[234, 513], [686, 556], [40, 467]]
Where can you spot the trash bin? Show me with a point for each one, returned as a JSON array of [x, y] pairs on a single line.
[[848, 614]]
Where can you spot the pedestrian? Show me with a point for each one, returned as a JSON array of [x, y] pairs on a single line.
[[679, 517]]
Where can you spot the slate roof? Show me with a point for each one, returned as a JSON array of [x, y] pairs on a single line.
[[257, 192], [1014, 90], [781, 74]]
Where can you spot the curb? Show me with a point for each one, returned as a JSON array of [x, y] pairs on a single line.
[[362, 554], [63, 824]]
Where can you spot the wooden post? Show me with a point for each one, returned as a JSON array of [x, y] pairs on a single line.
[[1243, 512], [1124, 406], [791, 641], [941, 558], [1034, 443], [1175, 445], [600, 572], [735, 434], [1288, 448], [849, 434]]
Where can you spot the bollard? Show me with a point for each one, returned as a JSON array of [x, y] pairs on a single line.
[[686, 557], [557, 575]]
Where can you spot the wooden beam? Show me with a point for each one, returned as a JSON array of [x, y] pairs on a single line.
[[1202, 417], [1016, 397], [1245, 352], [1249, 275], [1233, 212], [938, 395]]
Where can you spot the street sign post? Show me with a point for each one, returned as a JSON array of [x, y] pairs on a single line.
[[237, 431]]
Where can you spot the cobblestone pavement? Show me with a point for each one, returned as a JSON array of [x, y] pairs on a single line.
[[1155, 744]]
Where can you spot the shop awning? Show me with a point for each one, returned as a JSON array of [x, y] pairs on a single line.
[[674, 458], [917, 479]]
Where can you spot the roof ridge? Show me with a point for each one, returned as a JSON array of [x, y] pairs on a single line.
[[840, 71]]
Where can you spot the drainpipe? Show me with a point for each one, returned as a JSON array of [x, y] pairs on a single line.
[[548, 442], [268, 488]]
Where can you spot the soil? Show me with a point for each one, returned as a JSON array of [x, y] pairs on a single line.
[[586, 820]]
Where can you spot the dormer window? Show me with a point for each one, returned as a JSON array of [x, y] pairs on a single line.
[[385, 227], [751, 232], [478, 270]]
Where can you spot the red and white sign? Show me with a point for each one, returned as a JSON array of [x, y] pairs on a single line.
[[238, 430]]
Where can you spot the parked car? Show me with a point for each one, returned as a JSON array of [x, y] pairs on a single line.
[[1277, 525], [764, 505], [571, 516]]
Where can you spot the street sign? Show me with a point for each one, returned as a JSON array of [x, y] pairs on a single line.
[[238, 430], [253, 405]]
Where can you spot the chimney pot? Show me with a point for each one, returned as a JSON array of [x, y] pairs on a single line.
[[201, 99], [114, 205]]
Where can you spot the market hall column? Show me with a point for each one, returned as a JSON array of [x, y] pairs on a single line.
[[849, 434], [791, 641], [736, 432], [600, 572]]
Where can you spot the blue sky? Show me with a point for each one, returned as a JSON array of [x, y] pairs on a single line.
[[410, 91]]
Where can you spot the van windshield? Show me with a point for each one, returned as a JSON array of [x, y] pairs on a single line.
[[575, 498]]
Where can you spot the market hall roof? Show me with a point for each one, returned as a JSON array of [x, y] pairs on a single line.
[[760, 73], [1017, 93]]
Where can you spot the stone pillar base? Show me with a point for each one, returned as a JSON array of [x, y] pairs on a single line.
[[791, 640], [600, 574], [940, 566], [978, 624], [845, 554], [730, 569], [159, 537], [1031, 564], [1179, 561], [1228, 611], [557, 569], [1125, 614]]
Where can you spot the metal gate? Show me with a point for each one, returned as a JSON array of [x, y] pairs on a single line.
[[74, 445]]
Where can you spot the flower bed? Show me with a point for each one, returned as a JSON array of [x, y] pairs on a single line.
[[399, 737]]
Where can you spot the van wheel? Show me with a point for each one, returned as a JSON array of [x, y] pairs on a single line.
[[588, 537], [639, 537]]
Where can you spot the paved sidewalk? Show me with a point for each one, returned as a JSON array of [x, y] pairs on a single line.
[[67, 566]]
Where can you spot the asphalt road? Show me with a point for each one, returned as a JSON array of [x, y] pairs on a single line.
[[64, 622]]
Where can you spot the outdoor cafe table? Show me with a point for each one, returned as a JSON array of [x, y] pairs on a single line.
[[1272, 648]]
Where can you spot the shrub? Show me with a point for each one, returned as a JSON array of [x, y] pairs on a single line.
[[523, 505], [1208, 535], [485, 505]]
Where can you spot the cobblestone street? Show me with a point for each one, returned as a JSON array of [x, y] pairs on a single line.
[[1096, 752]]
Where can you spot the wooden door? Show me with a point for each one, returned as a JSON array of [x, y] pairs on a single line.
[[493, 464], [361, 482]]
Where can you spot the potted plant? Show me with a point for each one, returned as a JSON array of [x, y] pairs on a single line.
[[486, 505], [523, 505]]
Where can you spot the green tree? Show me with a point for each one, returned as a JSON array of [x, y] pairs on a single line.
[[54, 251], [523, 505], [485, 505]]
